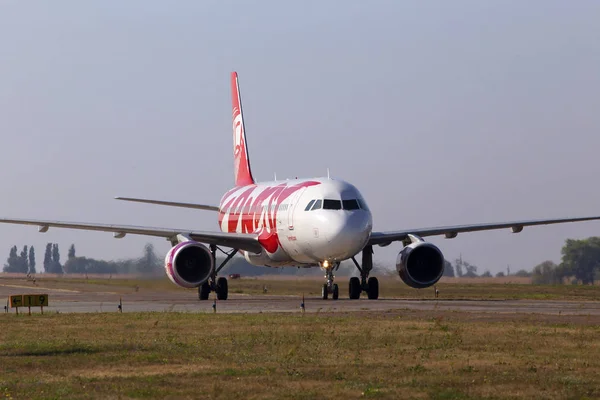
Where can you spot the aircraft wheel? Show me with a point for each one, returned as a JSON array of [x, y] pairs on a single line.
[[324, 291], [354, 288], [373, 291], [336, 292], [222, 289], [203, 291]]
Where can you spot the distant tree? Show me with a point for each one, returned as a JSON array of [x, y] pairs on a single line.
[[448, 269], [149, 263], [522, 273], [458, 265], [48, 259], [486, 274], [56, 266], [463, 268], [12, 262], [546, 273], [75, 265], [101, 267], [24, 260], [82, 265], [126, 266], [581, 259], [500, 275], [470, 270], [71, 253], [32, 260]]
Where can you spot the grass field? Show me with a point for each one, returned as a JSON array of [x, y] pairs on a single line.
[[390, 286], [361, 355]]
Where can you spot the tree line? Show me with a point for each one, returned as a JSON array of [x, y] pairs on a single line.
[[24, 262], [580, 264]]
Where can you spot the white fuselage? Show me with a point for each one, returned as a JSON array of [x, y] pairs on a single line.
[[299, 222]]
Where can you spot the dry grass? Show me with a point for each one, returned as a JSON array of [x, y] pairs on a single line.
[[391, 355], [390, 286]]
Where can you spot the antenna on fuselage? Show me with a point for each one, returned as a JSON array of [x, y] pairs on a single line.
[[275, 174], [328, 174]]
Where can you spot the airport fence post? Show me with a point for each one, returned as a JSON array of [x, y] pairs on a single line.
[[302, 308], [120, 307], [214, 306]]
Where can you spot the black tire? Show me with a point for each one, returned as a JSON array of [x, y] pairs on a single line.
[[324, 291], [373, 291], [354, 288], [336, 292], [203, 291], [222, 289]]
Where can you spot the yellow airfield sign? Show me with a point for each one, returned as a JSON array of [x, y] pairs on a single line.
[[35, 300], [16, 301], [29, 300]]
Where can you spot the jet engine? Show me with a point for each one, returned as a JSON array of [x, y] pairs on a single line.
[[420, 264], [189, 264]]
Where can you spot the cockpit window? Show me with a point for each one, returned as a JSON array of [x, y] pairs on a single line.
[[329, 204], [350, 204], [309, 205]]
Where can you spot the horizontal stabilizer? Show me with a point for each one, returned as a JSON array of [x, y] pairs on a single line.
[[171, 203]]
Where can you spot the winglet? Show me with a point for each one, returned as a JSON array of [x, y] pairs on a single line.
[[241, 161]]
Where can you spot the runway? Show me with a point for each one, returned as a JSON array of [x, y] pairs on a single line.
[[74, 301]]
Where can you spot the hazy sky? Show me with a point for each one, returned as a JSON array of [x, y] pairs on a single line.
[[439, 112]]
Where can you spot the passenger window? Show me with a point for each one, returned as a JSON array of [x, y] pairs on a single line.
[[332, 204], [350, 204], [317, 205], [309, 205]]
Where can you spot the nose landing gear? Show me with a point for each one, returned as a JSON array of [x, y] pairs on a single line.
[[367, 284], [329, 287]]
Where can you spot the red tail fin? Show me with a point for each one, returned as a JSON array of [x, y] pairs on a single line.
[[241, 162]]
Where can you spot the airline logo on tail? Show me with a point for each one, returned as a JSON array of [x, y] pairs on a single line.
[[241, 166]]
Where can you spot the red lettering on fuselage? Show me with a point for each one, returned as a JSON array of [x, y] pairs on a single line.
[[254, 213]]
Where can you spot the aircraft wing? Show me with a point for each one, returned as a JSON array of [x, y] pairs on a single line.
[[385, 238], [171, 203], [240, 241]]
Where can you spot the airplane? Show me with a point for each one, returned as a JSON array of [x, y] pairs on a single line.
[[296, 222]]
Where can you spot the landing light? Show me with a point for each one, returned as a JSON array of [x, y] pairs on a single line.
[[325, 264]]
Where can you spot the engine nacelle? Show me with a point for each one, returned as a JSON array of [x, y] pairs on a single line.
[[189, 264], [420, 264]]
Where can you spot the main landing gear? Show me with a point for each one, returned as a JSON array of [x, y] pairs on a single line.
[[367, 284], [330, 287], [214, 284]]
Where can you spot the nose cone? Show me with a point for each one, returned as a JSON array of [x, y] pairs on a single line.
[[346, 233]]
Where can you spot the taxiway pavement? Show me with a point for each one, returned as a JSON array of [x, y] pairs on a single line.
[[70, 301]]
